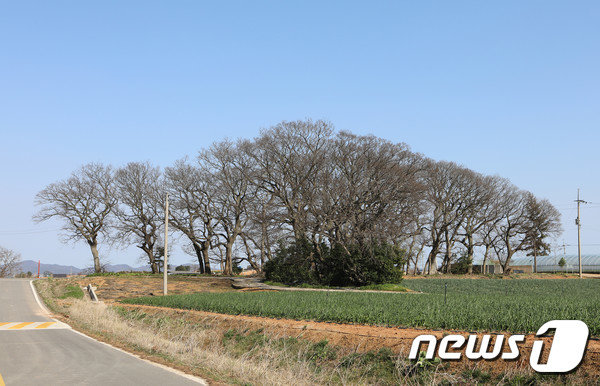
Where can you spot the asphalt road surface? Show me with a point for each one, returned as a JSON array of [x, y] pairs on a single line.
[[34, 350]]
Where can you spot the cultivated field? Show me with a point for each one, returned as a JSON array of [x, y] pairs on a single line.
[[483, 305]]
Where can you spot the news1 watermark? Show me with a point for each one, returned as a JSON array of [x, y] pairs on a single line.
[[566, 352]]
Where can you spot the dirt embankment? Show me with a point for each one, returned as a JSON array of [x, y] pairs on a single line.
[[112, 288], [363, 338]]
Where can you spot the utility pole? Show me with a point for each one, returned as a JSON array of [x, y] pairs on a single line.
[[564, 254], [535, 256], [578, 222], [165, 258]]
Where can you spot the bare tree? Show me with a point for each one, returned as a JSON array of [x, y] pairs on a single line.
[[290, 157], [543, 221], [139, 213], [263, 230], [191, 207], [478, 214], [488, 232], [10, 262], [84, 202], [513, 229], [444, 189], [229, 169], [366, 192]]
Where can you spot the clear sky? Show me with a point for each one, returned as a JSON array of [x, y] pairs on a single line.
[[505, 87]]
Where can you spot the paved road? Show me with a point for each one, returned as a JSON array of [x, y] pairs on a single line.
[[56, 355]]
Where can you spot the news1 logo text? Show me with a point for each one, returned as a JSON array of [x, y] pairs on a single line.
[[566, 352]]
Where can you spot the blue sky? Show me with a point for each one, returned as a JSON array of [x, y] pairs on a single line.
[[508, 88]]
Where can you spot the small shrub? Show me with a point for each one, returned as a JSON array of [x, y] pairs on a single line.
[[462, 264], [304, 262], [293, 264]]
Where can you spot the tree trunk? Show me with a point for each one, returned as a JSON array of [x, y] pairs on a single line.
[[470, 253], [448, 256], [432, 268], [485, 256], [151, 260], [506, 265], [205, 252], [534, 257], [94, 247], [228, 269], [199, 256], [262, 254], [416, 263], [425, 268]]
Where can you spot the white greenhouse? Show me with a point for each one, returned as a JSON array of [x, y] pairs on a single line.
[[590, 263]]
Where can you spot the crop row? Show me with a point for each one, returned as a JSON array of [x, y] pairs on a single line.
[[469, 304]]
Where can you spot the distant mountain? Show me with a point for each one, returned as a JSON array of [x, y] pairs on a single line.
[[125, 267], [32, 266]]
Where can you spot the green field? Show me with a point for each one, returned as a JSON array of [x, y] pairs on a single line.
[[472, 304]]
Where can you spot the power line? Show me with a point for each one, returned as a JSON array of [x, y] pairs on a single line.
[[578, 222], [583, 245]]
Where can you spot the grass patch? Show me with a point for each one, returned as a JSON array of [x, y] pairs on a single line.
[[470, 304], [72, 291], [385, 287]]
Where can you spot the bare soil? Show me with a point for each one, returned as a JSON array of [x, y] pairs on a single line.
[[113, 288]]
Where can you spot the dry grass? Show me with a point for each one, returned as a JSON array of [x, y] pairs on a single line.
[[198, 349], [193, 347]]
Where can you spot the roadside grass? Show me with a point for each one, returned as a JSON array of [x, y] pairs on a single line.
[[72, 291], [483, 305]]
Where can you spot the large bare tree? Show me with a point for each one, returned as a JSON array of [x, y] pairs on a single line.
[[445, 185], [479, 212], [542, 221], [229, 170], [514, 228], [290, 157], [366, 192], [83, 202], [9, 262], [192, 210], [139, 213]]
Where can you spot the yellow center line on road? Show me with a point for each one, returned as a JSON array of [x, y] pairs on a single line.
[[44, 325], [2, 324], [20, 325], [1, 381]]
